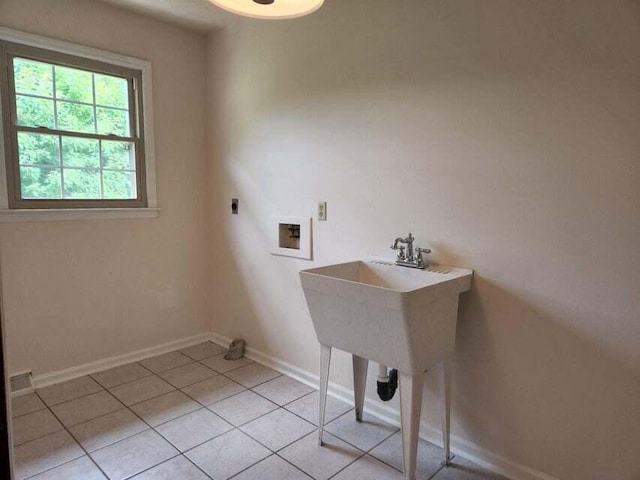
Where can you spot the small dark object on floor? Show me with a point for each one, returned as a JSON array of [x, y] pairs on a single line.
[[236, 349]]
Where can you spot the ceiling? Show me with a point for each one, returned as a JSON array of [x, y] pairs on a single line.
[[196, 14]]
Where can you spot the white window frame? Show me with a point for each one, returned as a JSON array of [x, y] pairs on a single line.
[[8, 215]]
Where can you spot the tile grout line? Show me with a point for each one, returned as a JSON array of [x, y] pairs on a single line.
[[71, 399], [252, 386], [273, 454], [360, 451], [436, 472], [216, 374], [251, 466], [197, 466], [245, 423], [294, 465], [199, 444], [206, 405], [86, 453], [269, 448], [231, 370], [123, 383], [151, 467], [377, 444], [29, 413], [15, 445], [347, 466], [325, 423]]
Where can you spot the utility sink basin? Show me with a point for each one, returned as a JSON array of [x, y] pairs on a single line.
[[397, 316], [400, 317]]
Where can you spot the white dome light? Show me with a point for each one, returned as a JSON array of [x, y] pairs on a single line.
[[273, 9]]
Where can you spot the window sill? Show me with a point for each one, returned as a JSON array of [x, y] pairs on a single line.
[[63, 215]]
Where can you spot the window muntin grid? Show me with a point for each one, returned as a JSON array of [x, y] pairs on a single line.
[[86, 148]]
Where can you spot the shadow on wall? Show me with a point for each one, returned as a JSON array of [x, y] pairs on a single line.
[[558, 378]]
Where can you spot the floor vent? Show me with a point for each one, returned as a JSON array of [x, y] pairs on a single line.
[[21, 384]]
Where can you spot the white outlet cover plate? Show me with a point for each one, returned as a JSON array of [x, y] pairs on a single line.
[[305, 237], [322, 211]]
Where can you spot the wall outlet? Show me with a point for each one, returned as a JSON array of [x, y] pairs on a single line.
[[322, 211], [234, 206]]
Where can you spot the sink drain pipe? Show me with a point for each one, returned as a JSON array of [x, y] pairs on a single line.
[[387, 382]]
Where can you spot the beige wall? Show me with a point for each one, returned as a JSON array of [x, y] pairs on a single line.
[[505, 136], [76, 292]]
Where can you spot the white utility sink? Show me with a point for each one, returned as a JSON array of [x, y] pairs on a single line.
[[397, 316]]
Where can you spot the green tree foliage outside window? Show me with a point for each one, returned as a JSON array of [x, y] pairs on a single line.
[[58, 166]]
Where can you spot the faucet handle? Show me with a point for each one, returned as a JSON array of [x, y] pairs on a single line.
[[419, 252]]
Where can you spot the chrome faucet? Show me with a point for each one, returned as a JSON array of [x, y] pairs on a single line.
[[413, 257]]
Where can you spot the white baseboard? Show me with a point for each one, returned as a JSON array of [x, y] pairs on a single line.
[[459, 446], [40, 381]]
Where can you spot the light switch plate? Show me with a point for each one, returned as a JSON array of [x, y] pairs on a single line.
[[322, 211]]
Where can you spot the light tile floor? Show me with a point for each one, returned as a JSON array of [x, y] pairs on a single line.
[[191, 415]]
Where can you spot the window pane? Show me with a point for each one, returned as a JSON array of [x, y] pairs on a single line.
[[32, 77], [118, 155], [38, 149], [80, 152], [82, 184], [76, 118], [40, 183], [61, 160], [112, 91], [73, 84], [120, 185], [113, 122], [35, 112]]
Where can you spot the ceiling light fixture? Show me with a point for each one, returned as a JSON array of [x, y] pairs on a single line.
[[269, 9]]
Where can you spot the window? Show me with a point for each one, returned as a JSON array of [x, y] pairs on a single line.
[[74, 133]]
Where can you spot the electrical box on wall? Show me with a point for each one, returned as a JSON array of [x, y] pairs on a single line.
[[291, 237]]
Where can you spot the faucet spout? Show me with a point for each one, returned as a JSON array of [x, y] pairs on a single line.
[[396, 242]]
